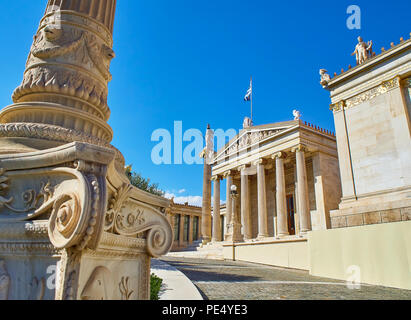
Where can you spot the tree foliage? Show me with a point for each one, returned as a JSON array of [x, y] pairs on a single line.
[[137, 180]]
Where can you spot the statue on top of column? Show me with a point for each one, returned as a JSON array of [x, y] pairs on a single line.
[[208, 151], [363, 51]]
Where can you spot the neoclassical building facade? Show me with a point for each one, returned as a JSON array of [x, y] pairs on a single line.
[[185, 221], [287, 180]]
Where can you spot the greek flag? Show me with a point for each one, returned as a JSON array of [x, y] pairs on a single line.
[[249, 92]]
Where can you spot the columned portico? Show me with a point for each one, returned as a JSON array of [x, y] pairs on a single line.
[[245, 203], [262, 199], [302, 186], [282, 222], [276, 179], [216, 210]]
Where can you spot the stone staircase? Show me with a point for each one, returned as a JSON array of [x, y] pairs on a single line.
[[213, 251]]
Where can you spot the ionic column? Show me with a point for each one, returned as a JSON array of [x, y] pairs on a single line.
[[235, 226], [302, 188], [262, 199], [216, 210], [181, 235], [229, 182], [245, 203], [190, 230], [282, 219]]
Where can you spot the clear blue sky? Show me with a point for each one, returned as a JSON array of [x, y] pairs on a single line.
[[191, 61]]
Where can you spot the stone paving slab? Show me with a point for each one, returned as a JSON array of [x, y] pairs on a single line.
[[232, 280]]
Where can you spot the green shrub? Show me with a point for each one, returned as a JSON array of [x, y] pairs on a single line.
[[155, 286]]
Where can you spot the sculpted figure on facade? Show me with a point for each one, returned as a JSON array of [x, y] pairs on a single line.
[[363, 51], [247, 123], [296, 114], [325, 78]]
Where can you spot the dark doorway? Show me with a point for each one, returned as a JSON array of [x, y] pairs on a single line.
[[290, 213]]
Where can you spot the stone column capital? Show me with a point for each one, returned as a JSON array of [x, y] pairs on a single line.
[[243, 167], [227, 174], [280, 155], [216, 178], [299, 148], [261, 161]]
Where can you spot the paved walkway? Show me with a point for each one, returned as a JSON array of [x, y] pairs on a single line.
[[233, 280], [176, 286]]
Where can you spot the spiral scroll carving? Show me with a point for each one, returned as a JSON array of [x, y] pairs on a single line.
[[159, 241], [64, 220]]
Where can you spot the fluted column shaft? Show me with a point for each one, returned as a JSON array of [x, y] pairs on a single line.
[[245, 204], [206, 208], [101, 10], [282, 219], [302, 185], [262, 199], [229, 183], [236, 221], [216, 210]]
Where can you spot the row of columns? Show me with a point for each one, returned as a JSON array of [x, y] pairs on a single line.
[[181, 238], [282, 215]]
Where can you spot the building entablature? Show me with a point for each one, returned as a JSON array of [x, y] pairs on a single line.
[[262, 142]]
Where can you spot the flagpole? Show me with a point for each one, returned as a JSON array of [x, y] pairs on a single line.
[[251, 82]]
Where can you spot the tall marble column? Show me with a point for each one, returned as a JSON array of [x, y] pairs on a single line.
[[207, 154], [262, 199], [229, 182], [282, 219], [235, 226], [245, 203], [216, 210], [302, 186]]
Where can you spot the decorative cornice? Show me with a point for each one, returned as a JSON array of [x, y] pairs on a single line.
[[122, 243], [56, 133], [24, 230], [374, 92], [28, 247], [370, 94]]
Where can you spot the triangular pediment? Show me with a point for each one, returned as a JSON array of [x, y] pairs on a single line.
[[253, 136]]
